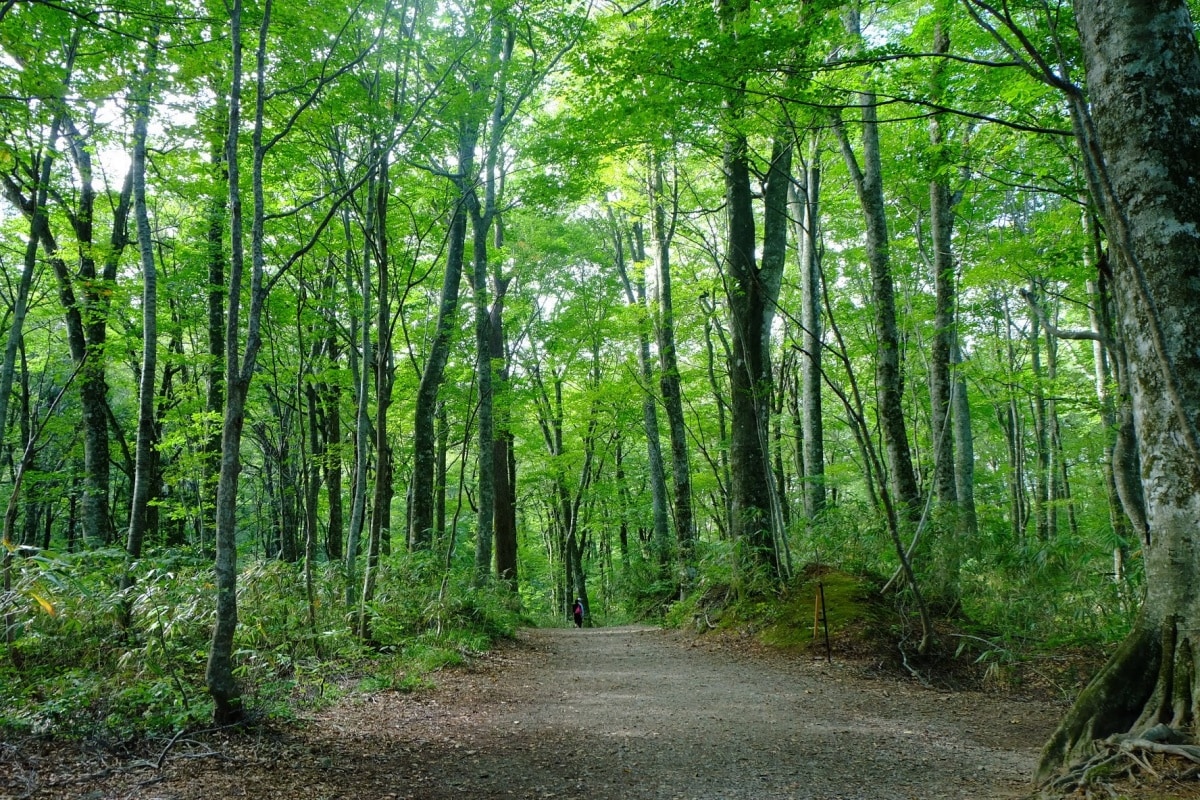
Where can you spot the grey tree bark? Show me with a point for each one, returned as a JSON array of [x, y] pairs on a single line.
[[964, 447], [362, 399], [144, 475], [808, 215], [941, 224], [635, 296], [1143, 153]]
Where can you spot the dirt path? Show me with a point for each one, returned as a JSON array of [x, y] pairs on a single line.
[[625, 713]]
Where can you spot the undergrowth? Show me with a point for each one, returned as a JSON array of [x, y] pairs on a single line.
[[828, 612], [83, 658]]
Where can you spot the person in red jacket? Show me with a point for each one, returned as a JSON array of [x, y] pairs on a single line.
[[577, 612]]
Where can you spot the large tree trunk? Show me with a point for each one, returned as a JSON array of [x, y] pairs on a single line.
[[1143, 71], [421, 518], [941, 226], [748, 378], [481, 221], [484, 215], [746, 290]]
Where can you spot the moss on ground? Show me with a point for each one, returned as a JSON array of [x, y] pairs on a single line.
[[852, 612], [858, 618]]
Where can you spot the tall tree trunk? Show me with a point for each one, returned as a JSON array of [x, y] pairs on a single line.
[[750, 306], [669, 382], [964, 448], [889, 376], [421, 516], [483, 218], [481, 222], [420, 535], [384, 374], [635, 295], [218, 675], [362, 399], [144, 473], [506, 500], [941, 225], [1143, 153], [811, 424], [214, 402]]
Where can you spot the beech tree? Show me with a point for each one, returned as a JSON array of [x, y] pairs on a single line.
[[1143, 157]]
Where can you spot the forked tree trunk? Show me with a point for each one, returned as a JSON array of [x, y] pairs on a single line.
[[747, 290], [1143, 72]]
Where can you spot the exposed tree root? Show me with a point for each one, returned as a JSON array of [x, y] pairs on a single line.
[[1124, 756]]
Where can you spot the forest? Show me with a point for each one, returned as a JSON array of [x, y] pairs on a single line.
[[482, 306]]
